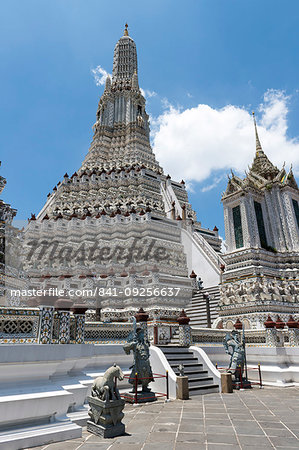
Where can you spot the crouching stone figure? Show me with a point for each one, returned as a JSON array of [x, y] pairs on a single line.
[[104, 387], [106, 405]]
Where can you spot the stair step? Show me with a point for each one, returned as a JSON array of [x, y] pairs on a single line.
[[166, 349], [186, 366], [193, 373], [205, 389], [39, 435], [196, 309], [203, 386], [192, 364], [181, 360], [192, 367], [199, 381], [174, 353]]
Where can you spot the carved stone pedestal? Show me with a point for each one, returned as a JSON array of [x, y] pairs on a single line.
[[142, 397], [226, 383], [106, 417], [182, 388]]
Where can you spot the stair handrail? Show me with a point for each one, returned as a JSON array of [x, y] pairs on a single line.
[[213, 371], [159, 363], [213, 255], [171, 192], [166, 197]]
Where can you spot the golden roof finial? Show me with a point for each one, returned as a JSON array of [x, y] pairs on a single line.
[[126, 33]]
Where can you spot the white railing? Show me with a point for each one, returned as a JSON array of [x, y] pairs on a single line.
[[166, 198], [171, 193], [214, 257]]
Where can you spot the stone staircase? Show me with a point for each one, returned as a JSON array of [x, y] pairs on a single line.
[[198, 377], [197, 311]]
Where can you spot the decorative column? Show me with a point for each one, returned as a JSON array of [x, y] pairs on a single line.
[[271, 333], [279, 325], [63, 307], [46, 324], [193, 277], [208, 311], [141, 319], [293, 332], [79, 313], [185, 338]]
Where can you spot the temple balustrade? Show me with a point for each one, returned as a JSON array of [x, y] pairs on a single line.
[[49, 325]]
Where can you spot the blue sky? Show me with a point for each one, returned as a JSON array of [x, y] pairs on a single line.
[[213, 53]]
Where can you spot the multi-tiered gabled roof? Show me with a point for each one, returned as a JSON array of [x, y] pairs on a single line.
[[262, 173]]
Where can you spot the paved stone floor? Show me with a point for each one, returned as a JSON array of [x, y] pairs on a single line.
[[257, 418]]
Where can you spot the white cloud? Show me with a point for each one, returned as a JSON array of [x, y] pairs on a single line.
[[214, 184], [147, 93], [100, 75], [195, 142], [190, 187]]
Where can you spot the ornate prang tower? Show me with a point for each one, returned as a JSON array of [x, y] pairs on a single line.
[[120, 169], [261, 218], [120, 199]]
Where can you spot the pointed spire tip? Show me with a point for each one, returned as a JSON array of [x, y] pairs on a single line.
[[258, 147], [126, 33]]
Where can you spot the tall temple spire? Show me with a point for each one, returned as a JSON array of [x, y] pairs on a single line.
[[125, 58], [261, 166], [258, 146], [121, 131]]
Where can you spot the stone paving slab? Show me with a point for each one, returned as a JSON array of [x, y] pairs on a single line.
[[257, 418]]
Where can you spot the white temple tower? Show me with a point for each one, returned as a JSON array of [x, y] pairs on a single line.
[[118, 222], [261, 218]]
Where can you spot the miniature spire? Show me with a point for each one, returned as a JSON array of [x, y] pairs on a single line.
[[261, 165], [257, 140], [108, 83], [135, 81], [126, 33]]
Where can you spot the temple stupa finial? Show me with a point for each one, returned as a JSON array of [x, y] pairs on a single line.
[[126, 33], [258, 146]]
